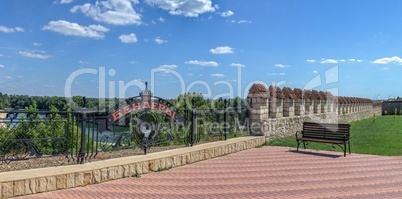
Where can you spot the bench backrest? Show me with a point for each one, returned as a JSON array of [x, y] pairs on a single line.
[[326, 131]]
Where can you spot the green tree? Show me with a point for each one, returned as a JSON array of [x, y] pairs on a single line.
[[2, 101]]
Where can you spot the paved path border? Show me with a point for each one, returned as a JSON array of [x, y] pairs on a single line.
[[25, 182], [267, 172]]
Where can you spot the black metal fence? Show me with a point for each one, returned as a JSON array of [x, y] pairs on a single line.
[[82, 135]]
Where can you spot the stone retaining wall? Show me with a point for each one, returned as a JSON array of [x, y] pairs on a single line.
[[275, 128], [25, 182], [276, 112]]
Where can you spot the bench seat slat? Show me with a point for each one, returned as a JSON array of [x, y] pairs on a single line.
[[322, 140]]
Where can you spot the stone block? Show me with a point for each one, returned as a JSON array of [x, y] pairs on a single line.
[[152, 166], [145, 167], [104, 174], [110, 173], [30, 185], [126, 171], [19, 188], [96, 176], [132, 169], [118, 172], [169, 162], [138, 168], [79, 179], [189, 159], [175, 161], [158, 162], [61, 182], [51, 183], [70, 180], [87, 178], [7, 189], [182, 159], [41, 185]]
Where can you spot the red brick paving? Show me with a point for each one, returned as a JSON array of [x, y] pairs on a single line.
[[268, 172]]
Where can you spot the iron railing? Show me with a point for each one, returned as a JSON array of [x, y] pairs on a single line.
[[82, 135]]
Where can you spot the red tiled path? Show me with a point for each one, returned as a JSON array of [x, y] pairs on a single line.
[[268, 172]]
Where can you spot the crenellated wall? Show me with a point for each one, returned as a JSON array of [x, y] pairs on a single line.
[[276, 112]]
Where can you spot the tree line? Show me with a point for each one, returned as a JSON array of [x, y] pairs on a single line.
[[44, 103]]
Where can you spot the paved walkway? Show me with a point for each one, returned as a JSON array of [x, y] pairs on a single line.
[[268, 172]]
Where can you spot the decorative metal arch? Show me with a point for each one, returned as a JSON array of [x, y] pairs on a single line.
[[144, 126]]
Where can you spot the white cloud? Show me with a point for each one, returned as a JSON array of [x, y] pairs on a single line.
[[342, 60], [237, 65], [281, 65], [385, 68], [83, 62], [315, 72], [244, 21], [311, 61], [116, 12], [36, 44], [188, 8], [18, 29], [166, 68], [329, 61], [276, 74], [203, 63], [130, 38], [10, 30], [161, 19], [158, 40], [217, 75], [1, 55], [355, 60], [227, 13], [73, 29], [63, 1], [34, 54], [222, 50], [171, 67], [2, 66], [8, 77], [388, 60]]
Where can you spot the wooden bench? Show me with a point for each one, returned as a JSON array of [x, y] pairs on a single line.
[[335, 134]]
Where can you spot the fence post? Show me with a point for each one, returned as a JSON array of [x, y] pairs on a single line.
[[193, 126], [81, 156], [225, 119]]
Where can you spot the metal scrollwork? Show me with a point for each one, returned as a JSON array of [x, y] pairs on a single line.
[[116, 141], [18, 150]]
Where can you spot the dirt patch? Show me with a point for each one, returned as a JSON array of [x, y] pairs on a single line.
[[52, 161]]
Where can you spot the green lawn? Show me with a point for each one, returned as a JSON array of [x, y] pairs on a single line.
[[382, 136]]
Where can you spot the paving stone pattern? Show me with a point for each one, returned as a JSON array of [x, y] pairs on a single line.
[[267, 172]]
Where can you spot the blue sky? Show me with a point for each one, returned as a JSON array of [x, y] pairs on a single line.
[[218, 48]]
